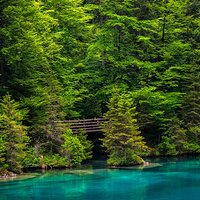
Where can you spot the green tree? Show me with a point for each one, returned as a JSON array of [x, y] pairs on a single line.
[[191, 108], [27, 46], [175, 140], [122, 141], [28, 49], [72, 149], [46, 130], [82, 136], [69, 65], [3, 144], [14, 133]]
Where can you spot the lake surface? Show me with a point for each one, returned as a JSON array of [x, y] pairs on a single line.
[[172, 179]]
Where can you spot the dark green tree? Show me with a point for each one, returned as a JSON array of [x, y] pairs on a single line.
[[191, 108], [175, 141]]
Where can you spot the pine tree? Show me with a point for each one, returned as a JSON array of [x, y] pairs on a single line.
[[122, 141], [45, 127], [14, 134], [175, 140], [191, 109]]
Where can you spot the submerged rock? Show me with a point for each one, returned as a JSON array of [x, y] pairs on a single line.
[[143, 166], [80, 172]]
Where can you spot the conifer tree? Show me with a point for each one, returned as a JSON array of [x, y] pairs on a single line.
[[122, 141], [175, 140], [13, 134], [191, 111]]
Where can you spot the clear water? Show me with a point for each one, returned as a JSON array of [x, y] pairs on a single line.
[[175, 179]]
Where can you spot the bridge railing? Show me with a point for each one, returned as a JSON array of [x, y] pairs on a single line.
[[89, 125]]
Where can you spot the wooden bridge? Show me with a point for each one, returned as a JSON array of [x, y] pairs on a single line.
[[89, 125]]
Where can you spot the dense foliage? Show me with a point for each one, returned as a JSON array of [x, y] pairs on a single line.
[[64, 59]]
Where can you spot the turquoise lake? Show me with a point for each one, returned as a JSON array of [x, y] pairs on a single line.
[[169, 179]]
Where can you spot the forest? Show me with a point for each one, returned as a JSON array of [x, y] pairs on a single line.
[[133, 62]]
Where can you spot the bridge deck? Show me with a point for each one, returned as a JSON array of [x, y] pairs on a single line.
[[89, 125]]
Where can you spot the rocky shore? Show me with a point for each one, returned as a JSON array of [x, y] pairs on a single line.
[[7, 174]]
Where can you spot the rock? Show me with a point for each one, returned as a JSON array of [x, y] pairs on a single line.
[[6, 174], [146, 164]]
